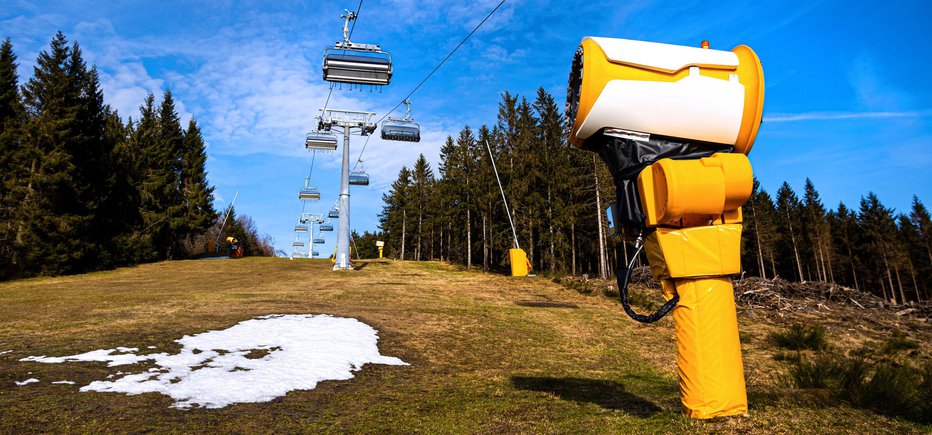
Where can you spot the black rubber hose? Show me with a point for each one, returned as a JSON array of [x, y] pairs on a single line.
[[624, 274]]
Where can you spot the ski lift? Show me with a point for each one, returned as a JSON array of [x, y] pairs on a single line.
[[402, 129], [355, 63], [298, 244], [334, 214], [315, 253], [299, 255], [300, 228], [321, 140], [358, 178], [308, 193], [319, 241], [326, 227]]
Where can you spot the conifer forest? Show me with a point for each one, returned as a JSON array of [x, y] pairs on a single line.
[[558, 194], [83, 190]]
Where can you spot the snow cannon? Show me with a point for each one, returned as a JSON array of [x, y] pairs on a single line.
[[674, 125]]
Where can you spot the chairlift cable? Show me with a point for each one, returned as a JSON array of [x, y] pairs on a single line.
[[489, 15]]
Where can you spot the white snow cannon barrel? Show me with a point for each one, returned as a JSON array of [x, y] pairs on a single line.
[[637, 89]]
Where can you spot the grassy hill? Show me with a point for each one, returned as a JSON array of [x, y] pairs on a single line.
[[488, 354]]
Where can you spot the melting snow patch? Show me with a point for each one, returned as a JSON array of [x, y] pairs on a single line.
[[6, 352], [64, 382], [253, 361], [27, 381]]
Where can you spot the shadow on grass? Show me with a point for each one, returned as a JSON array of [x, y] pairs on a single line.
[[545, 304], [607, 394]]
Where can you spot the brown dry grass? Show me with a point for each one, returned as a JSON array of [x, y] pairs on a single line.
[[488, 354]]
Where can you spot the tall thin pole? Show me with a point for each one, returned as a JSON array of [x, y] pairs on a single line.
[[342, 258], [505, 200], [220, 234]]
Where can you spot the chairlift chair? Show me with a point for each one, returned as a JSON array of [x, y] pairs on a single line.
[[300, 228], [319, 241], [321, 140], [355, 63], [309, 194], [298, 244], [299, 254], [358, 178], [334, 214], [402, 129], [315, 253], [326, 227]]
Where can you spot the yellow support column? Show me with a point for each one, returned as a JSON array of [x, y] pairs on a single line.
[[708, 351]]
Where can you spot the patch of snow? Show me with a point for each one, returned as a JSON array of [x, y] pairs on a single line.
[[153, 347], [26, 382], [6, 352], [100, 355], [215, 369], [64, 382]]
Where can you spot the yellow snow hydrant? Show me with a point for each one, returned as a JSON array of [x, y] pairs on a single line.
[[674, 125]]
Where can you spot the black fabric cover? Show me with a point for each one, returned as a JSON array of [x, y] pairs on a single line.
[[627, 157]]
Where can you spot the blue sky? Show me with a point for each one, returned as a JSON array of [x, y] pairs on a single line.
[[848, 99]]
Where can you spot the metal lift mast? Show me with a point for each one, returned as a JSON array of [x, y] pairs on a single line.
[[347, 120]]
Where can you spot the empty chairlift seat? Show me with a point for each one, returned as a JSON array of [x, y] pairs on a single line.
[[321, 140], [298, 244], [355, 63], [300, 228], [319, 241], [358, 178], [334, 214], [299, 255], [401, 130], [309, 194], [326, 227], [315, 254], [358, 64]]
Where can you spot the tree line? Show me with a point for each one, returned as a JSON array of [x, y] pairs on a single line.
[[81, 189], [557, 197]]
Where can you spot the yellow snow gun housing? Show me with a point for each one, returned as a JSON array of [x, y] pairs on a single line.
[[674, 125]]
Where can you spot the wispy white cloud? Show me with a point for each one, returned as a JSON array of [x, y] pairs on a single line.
[[873, 90], [832, 116]]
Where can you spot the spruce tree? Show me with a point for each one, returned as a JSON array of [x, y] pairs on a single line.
[[788, 224], [13, 159], [879, 231], [197, 194], [846, 239], [63, 225], [818, 253]]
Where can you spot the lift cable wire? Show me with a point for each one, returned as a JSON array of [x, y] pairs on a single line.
[[489, 15]]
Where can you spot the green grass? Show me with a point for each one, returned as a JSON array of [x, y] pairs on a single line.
[[800, 337], [488, 353]]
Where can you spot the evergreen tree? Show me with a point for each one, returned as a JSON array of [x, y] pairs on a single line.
[[845, 236], [63, 224], [422, 183], [818, 253], [197, 194], [760, 233], [394, 217], [788, 224], [879, 231], [13, 159]]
